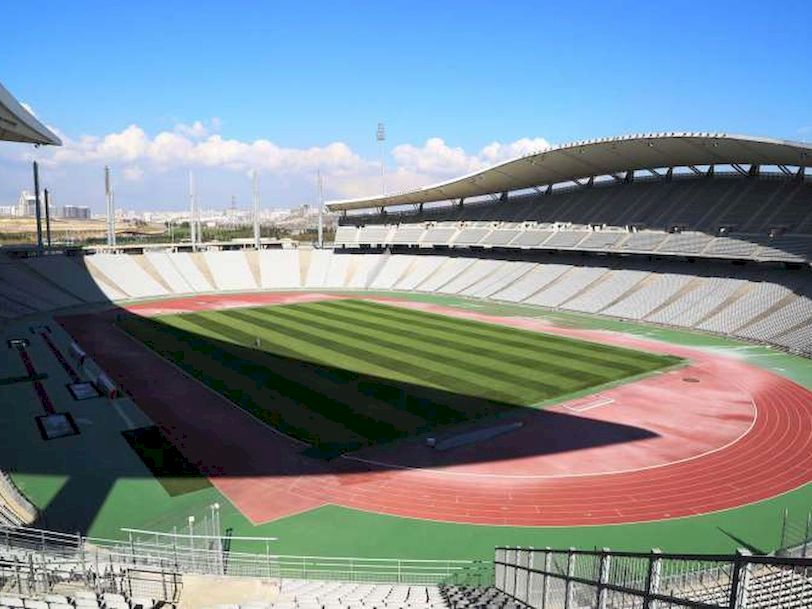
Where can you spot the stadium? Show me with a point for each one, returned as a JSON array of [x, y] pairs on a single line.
[[578, 378]]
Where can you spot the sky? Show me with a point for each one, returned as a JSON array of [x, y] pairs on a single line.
[[289, 88]]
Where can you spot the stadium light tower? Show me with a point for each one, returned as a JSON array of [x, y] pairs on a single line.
[[321, 207], [255, 181], [111, 208], [380, 135], [192, 231]]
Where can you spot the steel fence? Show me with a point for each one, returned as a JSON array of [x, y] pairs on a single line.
[[30, 554], [571, 579]]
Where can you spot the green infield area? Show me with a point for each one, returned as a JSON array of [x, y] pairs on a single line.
[[343, 374]]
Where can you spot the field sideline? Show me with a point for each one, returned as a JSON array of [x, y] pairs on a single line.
[[367, 372]]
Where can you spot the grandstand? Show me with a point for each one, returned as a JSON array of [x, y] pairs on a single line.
[[446, 304], [751, 302]]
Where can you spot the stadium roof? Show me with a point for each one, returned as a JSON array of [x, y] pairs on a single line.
[[18, 125], [602, 157]]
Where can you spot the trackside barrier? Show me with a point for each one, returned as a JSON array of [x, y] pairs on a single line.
[[570, 579], [796, 534], [33, 560]]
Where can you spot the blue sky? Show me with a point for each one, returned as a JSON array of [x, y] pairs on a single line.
[[305, 75]]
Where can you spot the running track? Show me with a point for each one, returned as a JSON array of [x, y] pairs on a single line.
[[763, 445]]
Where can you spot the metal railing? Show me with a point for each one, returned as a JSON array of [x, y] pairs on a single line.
[[89, 558], [796, 534], [572, 579]]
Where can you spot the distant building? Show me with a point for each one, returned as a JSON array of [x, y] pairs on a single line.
[[27, 205], [76, 212]]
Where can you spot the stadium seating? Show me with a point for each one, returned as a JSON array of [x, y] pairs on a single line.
[[724, 217], [754, 301], [230, 270], [279, 269]]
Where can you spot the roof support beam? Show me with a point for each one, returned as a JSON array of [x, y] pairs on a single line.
[[695, 170], [629, 177], [800, 173], [755, 170], [669, 174], [785, 170], [654, 172], [739, 169], [711, 171], [504, 197], [461, 202]]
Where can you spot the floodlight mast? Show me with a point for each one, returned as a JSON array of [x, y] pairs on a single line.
[[37, 208], [256, 209], [321, 207], [111, 219], [380, 135], [192, 217]]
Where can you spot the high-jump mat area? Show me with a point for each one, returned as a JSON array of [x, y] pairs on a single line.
[[423, 426]]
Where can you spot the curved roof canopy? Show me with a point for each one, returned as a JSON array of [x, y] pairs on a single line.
[[18, 125], [603, 157]]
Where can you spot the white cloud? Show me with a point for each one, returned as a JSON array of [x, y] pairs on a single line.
[[153, 164], [437, 158], [133, 173]]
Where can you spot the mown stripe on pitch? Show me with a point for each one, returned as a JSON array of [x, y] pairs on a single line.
[[434, 404], [332, 379], [382, 421], [495, 365], [394, 361], [503, 332], [241, 375], [526, 359], [418, 397], [539, 351], [185, 348], [517, 336]]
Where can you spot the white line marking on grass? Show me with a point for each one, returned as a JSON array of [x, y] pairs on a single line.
[[596, 403]]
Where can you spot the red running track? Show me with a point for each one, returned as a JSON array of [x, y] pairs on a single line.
[[740, 435]]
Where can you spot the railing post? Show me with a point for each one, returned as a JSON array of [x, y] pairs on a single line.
[[655, 567], [81, 548], [548, 562], [570, 572], [499, 569], [603, 578], [806, 533], [531, 561], [742, 571], [784, 531], [514, 564], [163, 580]]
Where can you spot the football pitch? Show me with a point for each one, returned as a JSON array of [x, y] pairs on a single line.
[[343, 374]]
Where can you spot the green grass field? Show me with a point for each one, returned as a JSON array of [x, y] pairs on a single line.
[[351, 373], [97, 483]]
